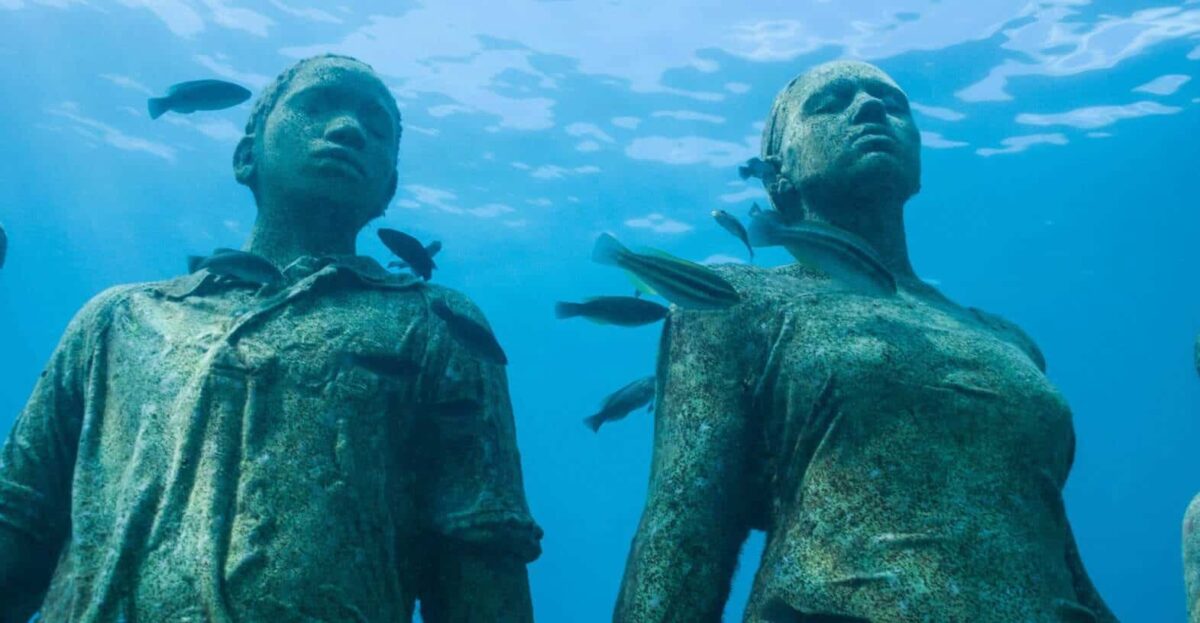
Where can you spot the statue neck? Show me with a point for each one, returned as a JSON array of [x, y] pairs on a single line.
[[879, 222], [282, 234]]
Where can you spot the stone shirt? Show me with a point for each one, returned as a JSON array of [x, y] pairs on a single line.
[[205, 453], [905, 456]]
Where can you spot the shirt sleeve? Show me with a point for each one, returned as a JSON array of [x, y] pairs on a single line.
[[37, 459], [474, 491]]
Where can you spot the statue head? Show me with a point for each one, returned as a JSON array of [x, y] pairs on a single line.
[[842, 129], [324, 135]]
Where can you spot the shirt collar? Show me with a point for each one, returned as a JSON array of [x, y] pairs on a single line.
[[361, 269]]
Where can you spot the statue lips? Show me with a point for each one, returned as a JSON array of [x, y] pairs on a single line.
[[875, 137], [343, 155]]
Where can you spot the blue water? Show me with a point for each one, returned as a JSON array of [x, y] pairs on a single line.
[[521, 145]]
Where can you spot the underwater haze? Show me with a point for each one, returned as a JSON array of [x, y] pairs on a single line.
[[1060, 154]]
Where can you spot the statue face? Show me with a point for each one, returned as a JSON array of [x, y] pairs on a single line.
[[331, 138], [851, 130]]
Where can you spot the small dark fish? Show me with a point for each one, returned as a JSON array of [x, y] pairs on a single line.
[[835, 251], [687, 284], [410, 250], [625, 311], [3, 245], [757, 167], [622, 402], [733, 226], [388, 366], [193, 261], [474, 336], [431, 249], [239, 265], [187, 97]]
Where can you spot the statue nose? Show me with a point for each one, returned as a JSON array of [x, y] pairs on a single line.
[[344, 130], [870, 110]]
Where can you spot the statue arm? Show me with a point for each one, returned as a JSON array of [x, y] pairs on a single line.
[[466, 584], [36, 464], [480, 532], [683, 556], [1085, 591]]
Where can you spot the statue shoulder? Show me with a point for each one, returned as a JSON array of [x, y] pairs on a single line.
[[101, 308], [1011, 332], [762, 292], [763, 288]]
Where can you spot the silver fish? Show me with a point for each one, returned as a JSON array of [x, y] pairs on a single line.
[[622, 402], [835, 251], [734, 226], [194, 95], [686, 284]]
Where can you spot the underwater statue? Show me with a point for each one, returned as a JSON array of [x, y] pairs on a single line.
[[315, 448], [905, 456]]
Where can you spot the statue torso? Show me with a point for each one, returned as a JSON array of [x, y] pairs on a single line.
[[914, 457], [233, 467]]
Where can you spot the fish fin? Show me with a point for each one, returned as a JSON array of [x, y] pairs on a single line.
[[744, 172], [594, 421], [564, 310], [433, 248], [157, 106], [661, 253], [194, 262], [639, 285], [607, 250]]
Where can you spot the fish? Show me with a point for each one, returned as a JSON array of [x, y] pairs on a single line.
[[686, 284], [239, 265], [3, 245], [410, 250], [187, 97], [623, 402], [388, 366], [624, 311], [839, 253], [431, 249], [472, 335], [734, 226], [757, 167]]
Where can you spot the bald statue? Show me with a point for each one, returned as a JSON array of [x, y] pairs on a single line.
[[207, 450], [904, 455]]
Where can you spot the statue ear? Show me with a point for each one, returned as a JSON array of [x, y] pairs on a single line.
[[243, 161]]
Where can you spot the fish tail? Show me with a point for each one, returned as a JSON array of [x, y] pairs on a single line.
[[194, 262], [608, 250], [563, 310], [594, 421], [157, 106]]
